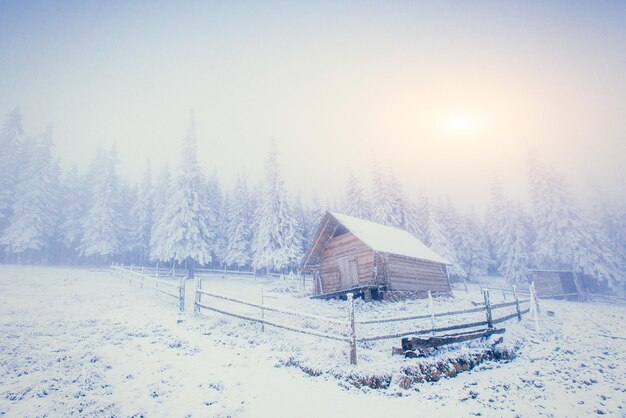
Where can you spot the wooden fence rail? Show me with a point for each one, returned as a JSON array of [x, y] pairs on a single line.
[[349, 324], [176, 289]]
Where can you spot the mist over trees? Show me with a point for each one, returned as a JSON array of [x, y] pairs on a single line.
[[189, 219]]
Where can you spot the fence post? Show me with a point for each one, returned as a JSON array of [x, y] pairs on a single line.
[[432, 310], [142, 277], [181, 294], [533, 306], [262, 310], [504, 294], [488, 308], [350, 297], [534, 295], [519, 313], [198, 295]]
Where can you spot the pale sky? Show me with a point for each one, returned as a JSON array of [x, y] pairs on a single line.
[[450, 94]]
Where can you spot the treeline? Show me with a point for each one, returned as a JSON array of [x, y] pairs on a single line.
[[187, 218]]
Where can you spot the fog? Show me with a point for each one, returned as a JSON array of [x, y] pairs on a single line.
[[449, 94]]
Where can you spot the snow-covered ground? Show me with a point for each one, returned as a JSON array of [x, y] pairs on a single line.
[[80, 343]]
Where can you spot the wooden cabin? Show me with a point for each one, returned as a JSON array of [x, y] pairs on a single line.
[[348, 254], [557, 283]]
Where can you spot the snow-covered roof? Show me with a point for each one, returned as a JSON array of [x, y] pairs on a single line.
[[387, 239]]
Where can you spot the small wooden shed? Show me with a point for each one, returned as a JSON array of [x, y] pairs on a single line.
[[557, 282], [348, 254]]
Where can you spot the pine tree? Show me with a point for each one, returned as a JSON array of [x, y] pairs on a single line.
[[163, 191], [313, 215], [382, 202], [73, 210], [513, 245], [186, 234], [275, 245], [422, 215], [557, 220], [34, 214], [142, 217], [497, 212], [473, 252], [102, 224], [10, 144], [439, 242], [356, 203], [213, 191], [239, 230]]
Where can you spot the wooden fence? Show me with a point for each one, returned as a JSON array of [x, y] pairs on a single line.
[[175, 288], [349, 335]]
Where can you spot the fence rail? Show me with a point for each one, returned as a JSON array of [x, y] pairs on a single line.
[[350, 323], [176, 288], [348, 334]]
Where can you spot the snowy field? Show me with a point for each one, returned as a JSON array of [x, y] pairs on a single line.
[[80, 343]]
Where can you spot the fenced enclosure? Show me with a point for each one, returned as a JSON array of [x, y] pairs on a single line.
[[348, 329]]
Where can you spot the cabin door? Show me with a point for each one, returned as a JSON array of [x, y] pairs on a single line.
[[349, 272]]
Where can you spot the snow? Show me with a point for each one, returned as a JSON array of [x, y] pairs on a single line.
[[80, 343], [387, 239]]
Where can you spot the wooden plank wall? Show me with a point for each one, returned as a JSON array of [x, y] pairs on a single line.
[[547, 283], [343, 246], [410, 274]]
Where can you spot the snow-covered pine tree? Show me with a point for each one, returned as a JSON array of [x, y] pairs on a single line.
[[403, 213], [34, 216], [497, 212], [557, 220], [239, 230], [10, 140], [74, 198], [452, 222], [102, 224], [142, 219], [300, 213], [382, 202], [356, 202], [473, 250], [422, 214], [439, 242], [221, 240], [314, 215], [213, 191], [276, 240], [186, 234], [611, 220], [513, 244], [162, 194]]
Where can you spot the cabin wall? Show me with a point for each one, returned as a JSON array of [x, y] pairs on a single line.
[[416, 275], [345, 253], [547, 283]]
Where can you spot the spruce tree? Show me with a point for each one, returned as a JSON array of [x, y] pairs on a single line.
[[276, 239], [239, 229], [163, 191], [356, 202], [439, 242], [186, 235], [34, 215], [142, 217], [73, 209], [10, 144], [513, 245], [102, 224]]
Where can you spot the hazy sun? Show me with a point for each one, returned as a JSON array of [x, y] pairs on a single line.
[[459, 124]]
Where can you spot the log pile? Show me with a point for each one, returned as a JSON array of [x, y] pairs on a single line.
[[414, 346]]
